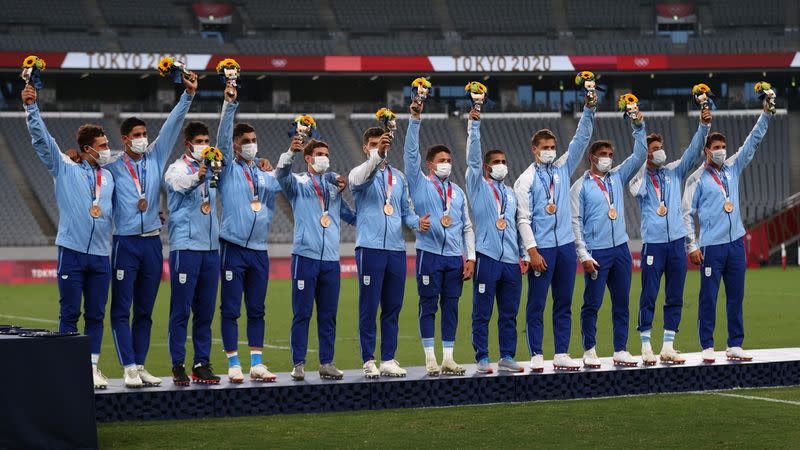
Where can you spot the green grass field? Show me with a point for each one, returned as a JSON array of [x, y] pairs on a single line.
[[772, 318]]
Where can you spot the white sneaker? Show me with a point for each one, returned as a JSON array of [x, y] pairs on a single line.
[[450, 367], [371, 370], [392, 368], [624, 358], [259, 372], [648, 358], [708, 355], [537, 364], [432, 367], [100, 380], [147, 378], [132, 379], [562, 361], [590, 359], [235, 374], [671, 356], [737, 354]]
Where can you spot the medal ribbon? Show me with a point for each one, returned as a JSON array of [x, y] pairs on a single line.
[[94, 187], [723, 185], [655, 181], [499, 200], [445, 202], [253, 186], [139, 189], [551, 193], [193, 169], [323, 198], [608, 193], [387, 192]]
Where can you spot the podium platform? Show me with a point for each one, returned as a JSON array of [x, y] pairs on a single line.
[[772, 367]]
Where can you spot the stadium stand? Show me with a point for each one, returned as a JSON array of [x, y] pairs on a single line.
[[605, 14], [399, 47], [125, 13], [503, 16], [52, 14], [283, 14], [18, 225], [732, 13], [360, 16], [517, 46], [264, 46], [165, 43], [60, 42]]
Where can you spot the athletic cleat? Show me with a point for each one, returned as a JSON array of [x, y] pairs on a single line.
[[148, 380], [624, 358], [132, 379], [708, 355], [537, 364], [179, 377], [260, 373], [449, 367], [590, 359], [562, 361], [235, 374], [100, 380], [737, 354], [671, 356], [203, 374], [299, 372], [507, 364], [330, 372], [392, 368], [371, 370], [485, 367], [432, 367], [648, 358]]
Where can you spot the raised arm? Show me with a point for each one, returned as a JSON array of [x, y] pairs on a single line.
[[632, 164], [284, 174], [171, 129], [694, 152], [42, 141], [411, 157], [181, 182], [408, 214], [474, 159], [742, 158], [577, 147], [522, 189], [225, 130], [576, 203], [362, 175]]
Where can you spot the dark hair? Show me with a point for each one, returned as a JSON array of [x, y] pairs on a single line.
[[313, 144], [435, 150], [194, 129], [242, 128], [597, 145], [544, 133], [87, 134], [654, 137], [129, 124], [488, 156], [371, 133], [715, 136]]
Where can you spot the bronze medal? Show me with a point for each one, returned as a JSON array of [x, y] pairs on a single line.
[[255, 205], [388, 209], [728, 206], [446, 220], [142, 205], [325, 221], [501, 223], [95, 211], [661, 210], [551, 208], [612, 213], [205, 207]]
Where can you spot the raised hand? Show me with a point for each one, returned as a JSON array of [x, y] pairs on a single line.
[[29, 95], [190, 83]]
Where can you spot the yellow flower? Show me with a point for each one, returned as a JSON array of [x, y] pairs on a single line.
[[385, 114], [40, 64], [700, 89], [475, 87], [212, 153], [29, 62], [583, 76], [165, 65], [306, 120], [625, 100], [421, 82], [227, 63], [762, 86]]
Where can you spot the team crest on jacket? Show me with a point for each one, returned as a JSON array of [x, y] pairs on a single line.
[[301, 284], [120, 275], [708, 271], [182, 278], [481, 288], [228, 275], [649, 260], [426, 280], [367, 280], [556, 178], [261, 179]]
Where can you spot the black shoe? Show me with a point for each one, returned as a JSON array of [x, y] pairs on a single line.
[[179, 377], [202, 373]]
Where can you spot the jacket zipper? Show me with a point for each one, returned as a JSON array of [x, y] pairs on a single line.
[[252, 227]]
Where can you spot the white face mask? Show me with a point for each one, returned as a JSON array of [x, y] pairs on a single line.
[[139, 145], [718, 156], [499, 172], [197, 151], [443, 170], [547, 156], [659, 157], [249, 151], [103, 156], [603, 164], [320, 164]]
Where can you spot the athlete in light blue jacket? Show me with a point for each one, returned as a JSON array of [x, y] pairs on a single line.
[[441, 269], [248, 205], [712, 193], [598, 219], [658, 187], [83, 196], [497, 270], [316, 199], [384, 206], [137, 255]]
